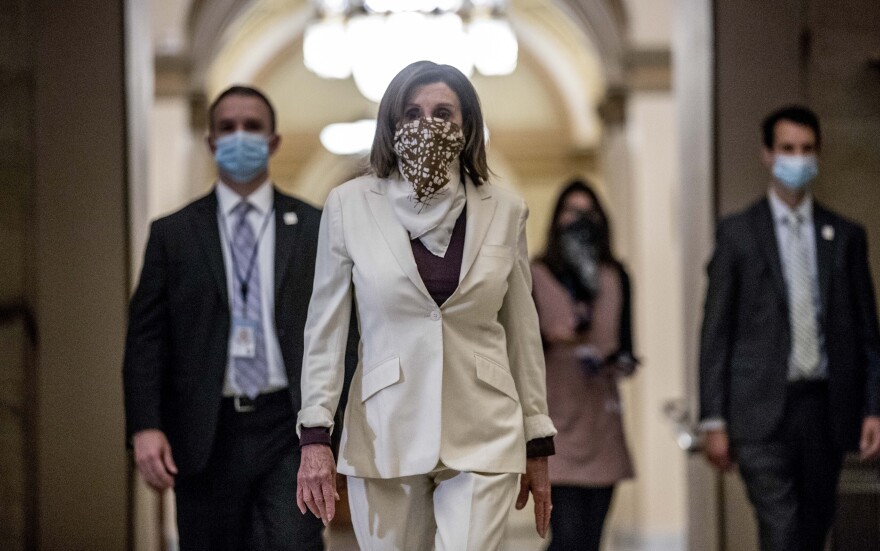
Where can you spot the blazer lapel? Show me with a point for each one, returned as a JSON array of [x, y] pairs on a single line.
[[286, 231], [765, 233], [825, 246], [480, 210], [395, 235], [206, 228]]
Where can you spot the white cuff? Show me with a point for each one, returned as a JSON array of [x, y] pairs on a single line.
[[712, 423], [539, 426], [314, 416]]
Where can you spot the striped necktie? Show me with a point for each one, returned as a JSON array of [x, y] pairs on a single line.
[[251, 375], [804, 356]]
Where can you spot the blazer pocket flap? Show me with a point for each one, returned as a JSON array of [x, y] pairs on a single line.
[[496, 376], [383, 375], [496, 250]]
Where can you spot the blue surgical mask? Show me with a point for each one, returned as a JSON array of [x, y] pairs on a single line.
[[242, 156], [795, 171]]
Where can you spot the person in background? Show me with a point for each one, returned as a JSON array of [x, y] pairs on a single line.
[[582, 294], [215, 343], [448, 403], [790, 350]]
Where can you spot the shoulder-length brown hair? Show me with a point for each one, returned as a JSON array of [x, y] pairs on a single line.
[[383, 159]]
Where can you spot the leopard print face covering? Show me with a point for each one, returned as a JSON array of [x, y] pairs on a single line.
[[425, 148]]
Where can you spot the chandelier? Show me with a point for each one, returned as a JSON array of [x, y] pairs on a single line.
[[372, 40]]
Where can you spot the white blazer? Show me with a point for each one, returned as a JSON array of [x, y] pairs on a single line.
[[462, 383]]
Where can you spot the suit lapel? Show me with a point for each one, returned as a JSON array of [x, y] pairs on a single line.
[[825, 246], [206, 228], [480, 210], [765, 233], [286, 230], [395, 235]]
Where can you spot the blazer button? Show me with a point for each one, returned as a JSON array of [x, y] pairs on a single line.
[[435, 315]]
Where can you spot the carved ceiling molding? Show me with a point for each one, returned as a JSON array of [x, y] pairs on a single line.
[[208, 21], [605, 22]]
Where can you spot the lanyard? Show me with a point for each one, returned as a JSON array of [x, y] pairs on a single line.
[[243, 281]]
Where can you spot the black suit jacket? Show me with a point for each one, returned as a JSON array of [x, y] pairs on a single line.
[[746, 335], [179, 323]]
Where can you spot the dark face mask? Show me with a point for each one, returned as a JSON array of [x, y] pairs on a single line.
[[580, 243], [586, 229]]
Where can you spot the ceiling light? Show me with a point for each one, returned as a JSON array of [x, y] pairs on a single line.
[[349, 138], [373, 40], [325, 51]]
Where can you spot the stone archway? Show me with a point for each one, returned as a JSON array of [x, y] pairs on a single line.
[[187, 75], [184, 79], [253, 41], [603, 22]]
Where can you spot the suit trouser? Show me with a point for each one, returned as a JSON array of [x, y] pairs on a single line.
[[444, 510], [791, 479], [578, 517], [245, 499]]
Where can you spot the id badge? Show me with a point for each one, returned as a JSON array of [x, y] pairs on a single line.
[[244, 341]]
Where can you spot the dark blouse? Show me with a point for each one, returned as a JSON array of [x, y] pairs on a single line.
[[440, 275]]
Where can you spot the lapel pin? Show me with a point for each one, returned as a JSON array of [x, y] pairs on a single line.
[[290, 218], [827, 232]]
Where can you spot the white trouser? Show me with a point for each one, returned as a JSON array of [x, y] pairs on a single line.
[[444, 510]]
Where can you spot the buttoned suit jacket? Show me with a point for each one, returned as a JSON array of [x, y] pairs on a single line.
[[179, 321], [746, 334], [463, 382]]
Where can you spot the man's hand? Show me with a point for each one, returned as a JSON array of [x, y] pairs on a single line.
[[152, 454], [869, 446], [316, 482], [537, 481], [716, 447]]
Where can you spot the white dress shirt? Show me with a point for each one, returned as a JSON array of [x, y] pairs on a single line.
[[262, 202], [781, 212]]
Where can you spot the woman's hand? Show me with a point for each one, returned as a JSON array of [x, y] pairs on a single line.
[[537, 481], [316, 482], [152, 453], [716, 448]]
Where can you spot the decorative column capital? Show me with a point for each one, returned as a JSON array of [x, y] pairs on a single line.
[[612, 108], [198, 112], [649, 69]]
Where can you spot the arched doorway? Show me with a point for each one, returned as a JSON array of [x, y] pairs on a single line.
[[564, 112], [543, 118]]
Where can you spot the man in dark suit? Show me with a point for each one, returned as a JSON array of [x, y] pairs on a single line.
[[215, 345], [790, 353]]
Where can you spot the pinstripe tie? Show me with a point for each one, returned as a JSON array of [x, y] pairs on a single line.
[[251, 374], [804, 357]]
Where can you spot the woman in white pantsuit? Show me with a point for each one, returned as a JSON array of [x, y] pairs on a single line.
[[448, 403]]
